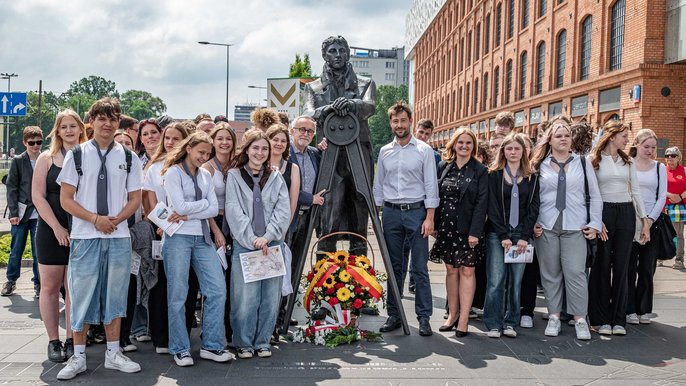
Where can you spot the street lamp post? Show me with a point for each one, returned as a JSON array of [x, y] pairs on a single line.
[[259, 93], [228, 46], [6, 120]]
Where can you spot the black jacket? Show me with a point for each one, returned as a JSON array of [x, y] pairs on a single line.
[[19, 186], [473, 202], [305, 198], [499, 212]]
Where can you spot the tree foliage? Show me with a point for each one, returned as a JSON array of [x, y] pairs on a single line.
[[300, 68], [141, 104], [379, 126], [96, 86]]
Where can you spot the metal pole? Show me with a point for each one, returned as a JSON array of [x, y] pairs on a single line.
[[226, 114], [40, 103]]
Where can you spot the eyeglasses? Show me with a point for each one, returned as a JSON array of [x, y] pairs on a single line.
[[34, 143], [666, 155], [305, 130]]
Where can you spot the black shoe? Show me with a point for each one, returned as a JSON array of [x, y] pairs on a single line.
[[412, 289], [68, 348], [369, 311], [445, 328], [55, 353], [8, 288], [425, 328], [460, 334], [293, 322], [446, 315], [392, 323], [36, 290]]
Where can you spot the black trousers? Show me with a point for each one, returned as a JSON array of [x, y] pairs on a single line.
[[530, 282], [481, 284], [640, 279], [608, 287], [130, 307]]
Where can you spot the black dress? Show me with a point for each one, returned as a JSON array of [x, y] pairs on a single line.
[[48, 250], [451, 246]]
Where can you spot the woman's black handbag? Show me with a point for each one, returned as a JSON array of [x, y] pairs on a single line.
[[591, 245], [662, 233]]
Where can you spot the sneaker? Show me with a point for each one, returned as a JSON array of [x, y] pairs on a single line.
[[244, 353], [75, 365], [121, 362], [36, 291], [494, 333], [510, 332], [554, 326], [473, 314], [478, 311], [545, 316], [68, 348], [678, 265], [144, 338], [632, 319], [162, 350], [644, 319], [526, 322], [55, 352], [582, 331], [605, 329], [618, 330], [216, 355], [183, 359], [8, 288], [264, 353]]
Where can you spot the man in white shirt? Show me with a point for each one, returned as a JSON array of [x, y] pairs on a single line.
[[101, 189], [406, 186]]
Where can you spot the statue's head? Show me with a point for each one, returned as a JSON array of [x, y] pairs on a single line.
[[336, 52]]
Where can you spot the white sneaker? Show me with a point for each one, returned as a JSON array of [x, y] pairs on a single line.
[[644, 319], [121, 362], [244, 353], [605, 329], [264, 353], [678, 265], [632, 319], [510, 332], [74, 367], [144, 338], [129, 347], [216, 355], [183, 359], [162, 350], [494, 333], [554, 326], [582, 331], [618, 330], [526, 322]]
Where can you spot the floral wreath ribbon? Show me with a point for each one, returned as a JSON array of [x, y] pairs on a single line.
[[359, 274]]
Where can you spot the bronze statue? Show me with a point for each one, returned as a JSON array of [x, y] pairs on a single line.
[[340, 91]]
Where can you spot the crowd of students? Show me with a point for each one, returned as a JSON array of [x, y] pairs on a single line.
[[95, 185]]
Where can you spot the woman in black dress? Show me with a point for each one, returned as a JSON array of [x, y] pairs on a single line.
[[460, 219], [52, 231]]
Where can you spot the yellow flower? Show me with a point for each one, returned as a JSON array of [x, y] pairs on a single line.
[[344, 276], [329, 282], [343, 294], [319, 265], [341, 257], [363, 259]]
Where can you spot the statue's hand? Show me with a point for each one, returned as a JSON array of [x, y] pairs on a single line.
[[339, 104]]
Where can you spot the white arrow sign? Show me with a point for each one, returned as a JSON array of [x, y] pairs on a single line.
[[4, 103], [17, 108]]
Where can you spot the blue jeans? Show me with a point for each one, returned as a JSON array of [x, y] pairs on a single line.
[[180, 252], [98, 275], [18, 244], [254, 306], [501, 308], [400, 227]]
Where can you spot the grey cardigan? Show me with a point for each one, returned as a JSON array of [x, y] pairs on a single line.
[[239, 207]]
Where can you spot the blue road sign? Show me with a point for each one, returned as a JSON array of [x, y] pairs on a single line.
[[13, 104]]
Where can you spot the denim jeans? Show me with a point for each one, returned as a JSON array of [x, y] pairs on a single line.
[[180, 252], [400, 227], [98, 276], [17, 245], [501, 308], [254, 306]]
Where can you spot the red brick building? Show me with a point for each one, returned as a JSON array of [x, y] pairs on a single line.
[[598, 59]]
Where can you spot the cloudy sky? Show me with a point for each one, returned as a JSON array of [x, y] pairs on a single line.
[[152, 45]]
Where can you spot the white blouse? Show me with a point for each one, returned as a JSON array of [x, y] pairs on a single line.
[[617, 182]]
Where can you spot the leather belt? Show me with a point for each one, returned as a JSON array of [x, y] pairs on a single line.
[[404, 207]]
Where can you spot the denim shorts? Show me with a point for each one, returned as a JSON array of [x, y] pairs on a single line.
[[98, 276]]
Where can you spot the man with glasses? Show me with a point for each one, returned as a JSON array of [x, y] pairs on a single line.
[[130, 125], [494, 144], [23, 215]]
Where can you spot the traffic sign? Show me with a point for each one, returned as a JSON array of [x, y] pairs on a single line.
[[13, 104]]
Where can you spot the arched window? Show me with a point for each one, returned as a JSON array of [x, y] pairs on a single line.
[[542, 7], [496, 86], [469, 48], [561, 58], [510, 19], [540, 67], [523, 63], [487, 34], [477, 42], [475, 106], [525, 13], [498, 24], [484, 94], [586, 43], [508, 81], [461, 58], [617, 35], [466, 99]]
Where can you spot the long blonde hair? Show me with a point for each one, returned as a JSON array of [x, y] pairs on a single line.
[[640, 137], [610, 129], [56, 142], [524, 163], [543, 148], [179, 153], [449, 153], [161, 152]]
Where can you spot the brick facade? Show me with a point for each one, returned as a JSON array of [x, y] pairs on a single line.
[[448, 69]]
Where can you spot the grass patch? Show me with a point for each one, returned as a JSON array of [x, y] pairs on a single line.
[[5, 242]]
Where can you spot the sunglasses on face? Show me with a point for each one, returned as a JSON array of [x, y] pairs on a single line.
[[304, 130], [34, 143], [666, 155]]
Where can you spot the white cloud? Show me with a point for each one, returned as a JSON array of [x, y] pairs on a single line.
[[152, 45]]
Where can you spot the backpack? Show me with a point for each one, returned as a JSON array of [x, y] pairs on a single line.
[[77, 160]]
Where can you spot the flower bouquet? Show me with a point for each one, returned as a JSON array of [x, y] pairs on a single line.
[[339, 285]]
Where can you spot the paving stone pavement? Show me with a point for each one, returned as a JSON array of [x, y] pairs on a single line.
[[652, 354]]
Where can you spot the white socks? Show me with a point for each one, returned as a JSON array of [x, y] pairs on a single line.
[[112, 347]]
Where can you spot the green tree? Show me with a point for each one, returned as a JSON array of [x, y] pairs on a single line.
[[141, 104], [379, 126], [301, 68], [96, 86]]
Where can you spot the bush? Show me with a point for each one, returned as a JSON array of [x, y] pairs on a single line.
[[5, 242]]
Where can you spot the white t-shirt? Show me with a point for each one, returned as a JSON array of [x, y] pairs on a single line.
[[153, 181], [87, 187]]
